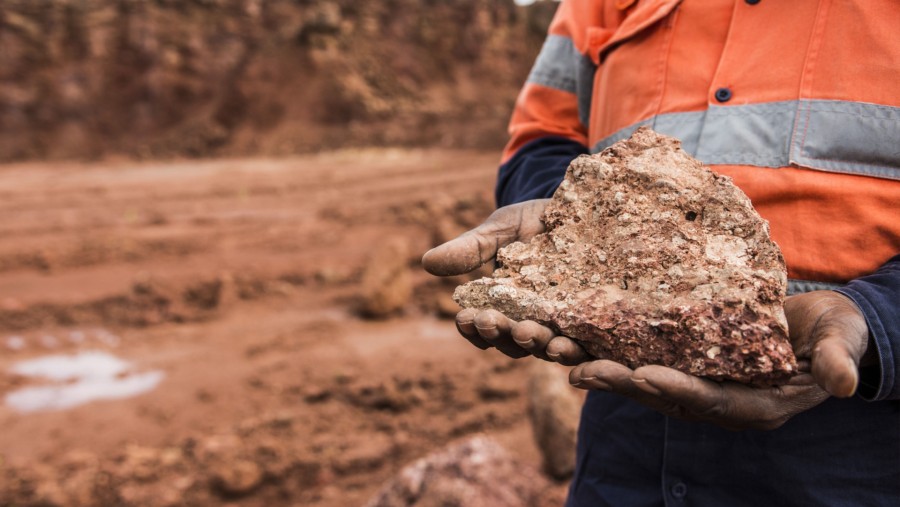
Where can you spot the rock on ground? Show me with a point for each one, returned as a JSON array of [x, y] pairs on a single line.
[[477, 472], [386, 280], [554, 408], [238, 478], [651, 258]]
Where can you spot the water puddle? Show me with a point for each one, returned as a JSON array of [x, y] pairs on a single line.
[[78, 379]]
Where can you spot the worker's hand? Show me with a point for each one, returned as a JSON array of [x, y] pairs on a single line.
[[490, 328], [829, 335], [829, 330]]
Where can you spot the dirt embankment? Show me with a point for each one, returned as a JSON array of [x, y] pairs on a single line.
[[161, 78]]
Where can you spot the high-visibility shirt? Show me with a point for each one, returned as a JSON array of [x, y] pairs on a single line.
[[799, 102], [789, 98]]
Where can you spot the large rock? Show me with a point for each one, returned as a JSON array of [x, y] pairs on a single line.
[[477, 472], [651, 258]]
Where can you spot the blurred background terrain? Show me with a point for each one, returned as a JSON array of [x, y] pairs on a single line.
[[151, 78], [211, 219]]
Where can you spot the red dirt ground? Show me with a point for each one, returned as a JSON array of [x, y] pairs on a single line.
[[240, 280]]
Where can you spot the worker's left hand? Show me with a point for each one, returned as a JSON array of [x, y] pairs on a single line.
[[828, 333]]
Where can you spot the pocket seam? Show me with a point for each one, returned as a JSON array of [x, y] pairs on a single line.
[[841, 165], [665, 8]]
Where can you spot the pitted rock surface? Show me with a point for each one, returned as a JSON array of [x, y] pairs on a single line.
[[651, 258]]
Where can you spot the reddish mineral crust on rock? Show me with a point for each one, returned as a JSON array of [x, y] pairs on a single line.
[[651, 258]]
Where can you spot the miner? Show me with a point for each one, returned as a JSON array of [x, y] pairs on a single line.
[[799, 102]]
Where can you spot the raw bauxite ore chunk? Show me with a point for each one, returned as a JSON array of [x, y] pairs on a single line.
[[651, 258]]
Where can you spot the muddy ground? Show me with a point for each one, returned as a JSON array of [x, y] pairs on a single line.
[[239, 284]]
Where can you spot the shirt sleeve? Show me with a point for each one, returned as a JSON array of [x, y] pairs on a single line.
[[548, 125], [536, 169], [878, 296]]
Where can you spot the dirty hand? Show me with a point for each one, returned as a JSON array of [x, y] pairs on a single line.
[[490, 328], [828, 333]]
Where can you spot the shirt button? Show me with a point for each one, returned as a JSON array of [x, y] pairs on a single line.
[[723, 94], [679, 490], [752, 2]]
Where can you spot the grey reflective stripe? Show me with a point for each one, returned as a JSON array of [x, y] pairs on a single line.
[[555, 65], [801, 286], [830, 135], [760, 137], [559, 65]]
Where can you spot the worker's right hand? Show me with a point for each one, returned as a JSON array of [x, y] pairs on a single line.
[[490, 328]]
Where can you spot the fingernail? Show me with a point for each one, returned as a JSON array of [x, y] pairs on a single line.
[[555, 357], [646, 386], [596, 383], [854, 367], [487, 333], [527, 343], [838, 387], [850, 389]]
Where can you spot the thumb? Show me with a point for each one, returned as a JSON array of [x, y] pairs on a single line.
[[839, 341], [469, 251], [834, 367]]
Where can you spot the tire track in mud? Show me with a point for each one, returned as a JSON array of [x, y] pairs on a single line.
[[61, 219]]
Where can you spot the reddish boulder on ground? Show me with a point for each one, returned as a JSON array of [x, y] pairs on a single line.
[[477, 472]]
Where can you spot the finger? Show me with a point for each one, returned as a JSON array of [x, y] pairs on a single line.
[[495, 328], [608, 375], [700, 397], [465, 324], [532, 337], [492, 325], [834, 366], [734, 406], [587, 381], [517, 222], [461, 255], [812, 314], [801, 314], [566, 351], [802, 379], [839, 340]]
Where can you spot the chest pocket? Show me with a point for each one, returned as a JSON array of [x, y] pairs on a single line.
[[848, 119], [621, 89]]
